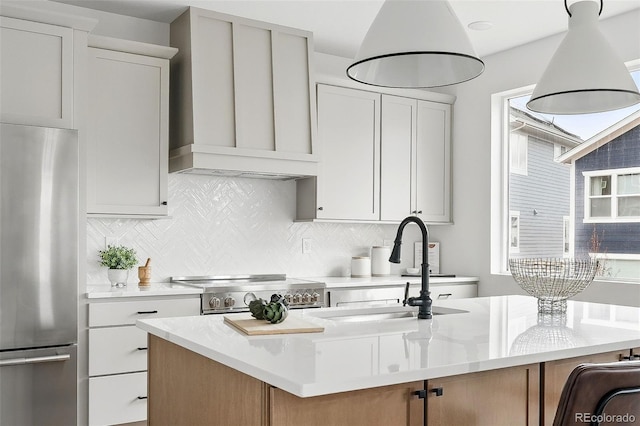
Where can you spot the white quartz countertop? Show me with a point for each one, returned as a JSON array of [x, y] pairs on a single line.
[[495, 332], [133, 290], [103, 291]]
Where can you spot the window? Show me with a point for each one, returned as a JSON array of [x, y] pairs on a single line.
[[514, 232], [566, 236], [558, 150], [526, 179], [612, 195], [518, 149]]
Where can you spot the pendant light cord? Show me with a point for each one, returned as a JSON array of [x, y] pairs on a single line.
[[567, 7]]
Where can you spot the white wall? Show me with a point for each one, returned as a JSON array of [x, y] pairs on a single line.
[[466, 246]]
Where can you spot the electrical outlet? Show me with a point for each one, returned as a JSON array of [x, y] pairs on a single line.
[[306, 245], [387, 243], [110, 241]]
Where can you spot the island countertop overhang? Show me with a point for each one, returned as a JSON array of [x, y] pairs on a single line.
[[495, 332]]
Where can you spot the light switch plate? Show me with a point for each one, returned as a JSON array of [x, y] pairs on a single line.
[[306, 245]]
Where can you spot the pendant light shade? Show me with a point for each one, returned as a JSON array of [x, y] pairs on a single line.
[[415, 44], [585, 74]]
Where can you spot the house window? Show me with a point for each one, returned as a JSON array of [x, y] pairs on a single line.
[[514, 232], [566, 236], [525, 178], [518, 150], [612, 195], [558, 150]]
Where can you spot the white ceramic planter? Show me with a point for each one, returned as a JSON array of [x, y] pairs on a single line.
[[118, 277]]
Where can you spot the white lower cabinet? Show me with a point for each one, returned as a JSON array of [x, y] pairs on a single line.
[[118, 355], [118, 399]]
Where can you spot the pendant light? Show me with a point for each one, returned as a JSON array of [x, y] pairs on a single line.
[[415, 44], [585, 74]]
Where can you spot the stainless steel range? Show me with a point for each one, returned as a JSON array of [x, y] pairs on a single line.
[[232, 293]]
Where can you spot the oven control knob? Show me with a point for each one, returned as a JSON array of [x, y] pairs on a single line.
[[214, 302], [306, 298], [288, 298], [229, 302], [315, 297], [297, 298]]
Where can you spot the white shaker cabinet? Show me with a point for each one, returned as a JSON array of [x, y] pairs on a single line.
[[42, 56], [127, 128], [383, 158], [416, 160], [348, 182], [36, 65], [118, 355]]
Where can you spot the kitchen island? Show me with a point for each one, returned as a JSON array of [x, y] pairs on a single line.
[[483, 360]]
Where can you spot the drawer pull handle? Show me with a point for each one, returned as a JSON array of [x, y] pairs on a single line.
[[142, 349], [437, 391], [444, 295], [147, 312], [142, 397]]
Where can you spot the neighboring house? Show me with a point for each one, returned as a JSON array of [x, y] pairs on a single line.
[[539, 187], [606, 196]]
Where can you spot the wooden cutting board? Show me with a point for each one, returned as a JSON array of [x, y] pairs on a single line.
[[254, 327]]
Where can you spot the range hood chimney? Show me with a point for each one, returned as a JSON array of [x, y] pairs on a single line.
[[242, 101]]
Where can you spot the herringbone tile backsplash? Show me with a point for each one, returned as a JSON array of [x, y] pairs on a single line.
[[221, 226]]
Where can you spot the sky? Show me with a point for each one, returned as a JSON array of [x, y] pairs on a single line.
[[583, 125]]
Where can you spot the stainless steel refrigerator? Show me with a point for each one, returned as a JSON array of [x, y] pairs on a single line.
[[38, 275]]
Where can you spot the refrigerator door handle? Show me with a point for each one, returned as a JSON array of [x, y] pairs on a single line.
[[34, 360]]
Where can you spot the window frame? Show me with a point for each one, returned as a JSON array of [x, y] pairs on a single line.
[[587, 197]]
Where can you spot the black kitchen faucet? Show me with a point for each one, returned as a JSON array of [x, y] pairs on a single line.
[[424, 301]]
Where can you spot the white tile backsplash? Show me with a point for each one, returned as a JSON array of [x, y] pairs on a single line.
[[220, 226]]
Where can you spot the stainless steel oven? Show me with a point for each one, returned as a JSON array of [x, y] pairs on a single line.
[[232, 293]]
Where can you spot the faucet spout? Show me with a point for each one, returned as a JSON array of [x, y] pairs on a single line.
[[424, 300]]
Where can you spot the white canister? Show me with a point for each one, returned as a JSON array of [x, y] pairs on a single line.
[[360, 266], [380, 266]]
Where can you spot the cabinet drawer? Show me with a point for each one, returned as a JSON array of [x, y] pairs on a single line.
[[117, 399], [455, 291], [126, 313], [115, 350]]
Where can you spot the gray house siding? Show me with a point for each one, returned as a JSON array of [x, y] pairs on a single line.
[[546, 189], [621, 152]]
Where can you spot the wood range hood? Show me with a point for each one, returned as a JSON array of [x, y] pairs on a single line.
[[242, 100]]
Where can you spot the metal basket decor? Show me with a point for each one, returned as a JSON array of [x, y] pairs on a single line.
[[553, 281]]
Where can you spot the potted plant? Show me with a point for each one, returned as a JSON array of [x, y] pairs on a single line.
[[119, 260]]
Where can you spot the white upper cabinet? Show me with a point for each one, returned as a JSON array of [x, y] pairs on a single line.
[[243, 97], [398, 166], [42, 57], [384, 158], [127, 128], [36, 65], [348, 184], [433, 163], [416, 160]]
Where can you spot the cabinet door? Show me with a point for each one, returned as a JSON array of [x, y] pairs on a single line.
[[433, 162], [127, 131], [507, 396], [348, 131], [117, 399], [397, 165], [556, 374], [36, 65], [387, 405]]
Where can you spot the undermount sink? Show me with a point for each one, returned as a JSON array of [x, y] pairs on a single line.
[[379, 314]]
